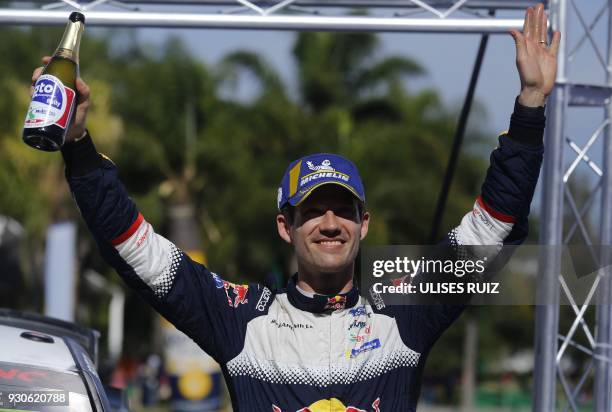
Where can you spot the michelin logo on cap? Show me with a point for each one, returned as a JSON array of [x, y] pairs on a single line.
[[325, 165], [311, 171], [326, 171]]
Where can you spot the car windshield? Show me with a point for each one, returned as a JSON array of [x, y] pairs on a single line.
[[27, 388]]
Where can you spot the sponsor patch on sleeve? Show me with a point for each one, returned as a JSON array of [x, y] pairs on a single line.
[[236, 294]]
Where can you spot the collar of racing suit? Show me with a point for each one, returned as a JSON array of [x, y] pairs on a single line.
[[320, 303]]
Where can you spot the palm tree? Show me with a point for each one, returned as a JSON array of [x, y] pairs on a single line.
[[339, 69]]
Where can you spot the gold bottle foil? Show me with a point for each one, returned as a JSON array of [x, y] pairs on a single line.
[[69, 45]]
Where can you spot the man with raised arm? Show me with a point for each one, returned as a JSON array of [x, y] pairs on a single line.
[[316, 345]]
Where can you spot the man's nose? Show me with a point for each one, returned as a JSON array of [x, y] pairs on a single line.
[[329, 225]]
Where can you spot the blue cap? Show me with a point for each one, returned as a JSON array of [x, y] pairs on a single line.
[[306, 174]]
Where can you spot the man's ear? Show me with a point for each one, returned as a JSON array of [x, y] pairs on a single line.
[[283, 227], [365, 222]]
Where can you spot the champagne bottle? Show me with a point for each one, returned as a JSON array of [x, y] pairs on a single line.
[[54, 100]]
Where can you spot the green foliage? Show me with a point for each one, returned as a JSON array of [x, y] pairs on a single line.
[[34, 191], [161, 116]]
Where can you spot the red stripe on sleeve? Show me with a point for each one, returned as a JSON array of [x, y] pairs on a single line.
[[497, 215], [131, 230]]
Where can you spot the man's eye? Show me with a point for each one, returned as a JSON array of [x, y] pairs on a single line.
[[311, 213], [346, 212]]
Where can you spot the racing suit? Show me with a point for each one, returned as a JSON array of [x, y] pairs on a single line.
[[288, 350]]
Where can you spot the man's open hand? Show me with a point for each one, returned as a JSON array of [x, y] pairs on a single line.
[[535, 59], [77, 127]]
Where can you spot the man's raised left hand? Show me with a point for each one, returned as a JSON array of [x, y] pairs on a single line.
[[535, 59]]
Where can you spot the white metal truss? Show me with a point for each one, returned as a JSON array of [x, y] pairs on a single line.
[[457, 16], [566, 96]]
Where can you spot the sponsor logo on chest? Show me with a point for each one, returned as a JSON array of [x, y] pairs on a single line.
[[290, 325], [366, 347]]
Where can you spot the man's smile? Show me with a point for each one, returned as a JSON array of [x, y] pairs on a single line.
[[332, 243]]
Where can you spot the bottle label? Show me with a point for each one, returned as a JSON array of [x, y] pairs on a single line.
[[52, 103]]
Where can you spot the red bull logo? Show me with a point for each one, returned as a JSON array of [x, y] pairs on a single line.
[[239, 293], [399, 281], [335, 303], [333, 405]]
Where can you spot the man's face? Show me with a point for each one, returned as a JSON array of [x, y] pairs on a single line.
[[326, 230]]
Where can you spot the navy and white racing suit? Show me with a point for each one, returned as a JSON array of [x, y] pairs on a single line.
[[286, 350]]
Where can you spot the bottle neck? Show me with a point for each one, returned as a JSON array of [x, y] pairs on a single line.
[[69, 46]]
